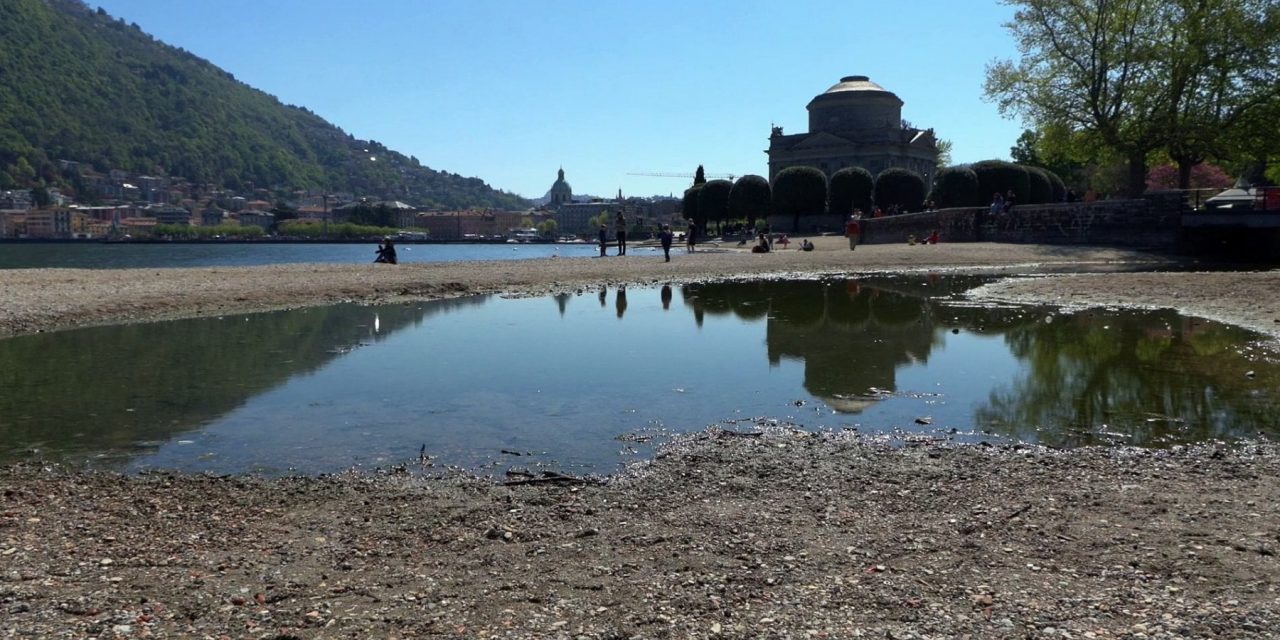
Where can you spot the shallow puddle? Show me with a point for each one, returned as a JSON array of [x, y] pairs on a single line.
[[584, 382]]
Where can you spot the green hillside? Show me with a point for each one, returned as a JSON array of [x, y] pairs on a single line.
[[76, 84]]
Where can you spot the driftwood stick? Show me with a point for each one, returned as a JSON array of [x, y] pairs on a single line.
[[551, 477]]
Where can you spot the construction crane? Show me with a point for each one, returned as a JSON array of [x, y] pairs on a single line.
[[672, 174]]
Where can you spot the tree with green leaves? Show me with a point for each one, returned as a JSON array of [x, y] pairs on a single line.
[[689, 206], [944, 155], [1086, 64], [1041, 189], [699, 177], [900, 187], [713, 200], [956, 187], [1223, 70], [40, 197], [799, 191], [749, 199], [998, 176], [547, 228], [1185, 76], [850, 188]]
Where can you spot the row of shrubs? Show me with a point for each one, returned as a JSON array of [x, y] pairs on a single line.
[[801, 191]]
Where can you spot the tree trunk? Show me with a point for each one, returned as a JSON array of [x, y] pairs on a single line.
[[1137, 174], [1184, 173]]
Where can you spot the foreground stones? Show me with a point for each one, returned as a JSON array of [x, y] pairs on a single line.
[[784, 535]]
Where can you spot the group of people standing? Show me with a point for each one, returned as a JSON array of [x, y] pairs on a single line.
[[665, 236]]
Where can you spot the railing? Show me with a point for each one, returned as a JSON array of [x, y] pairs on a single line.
[[1257, 199]]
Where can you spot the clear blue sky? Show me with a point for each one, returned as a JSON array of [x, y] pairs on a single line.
[[509, 90]]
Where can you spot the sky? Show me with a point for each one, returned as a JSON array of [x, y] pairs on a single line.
[[512, 90]]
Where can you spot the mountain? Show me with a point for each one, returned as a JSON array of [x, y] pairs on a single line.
[[76, 84]]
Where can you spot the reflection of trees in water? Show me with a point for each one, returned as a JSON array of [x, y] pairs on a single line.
[[109, 387], [851, 335], [1130, 373]]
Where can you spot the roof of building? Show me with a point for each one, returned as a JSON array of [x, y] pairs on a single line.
[[855, 83], [855, 87]]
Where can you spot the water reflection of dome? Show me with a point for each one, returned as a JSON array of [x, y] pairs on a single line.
[[850, 335], [849, 404]]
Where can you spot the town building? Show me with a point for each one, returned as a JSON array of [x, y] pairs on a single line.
[[16, 200], [256, 218], [49, 223], [171, 215], [855, 123]]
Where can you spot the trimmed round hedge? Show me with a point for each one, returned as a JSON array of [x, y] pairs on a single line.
[[713, 200], [850, 189], [999, 176], [902, 187], [750, 199], [690, 207], [956, 187], [799, 191], [1041, 187]]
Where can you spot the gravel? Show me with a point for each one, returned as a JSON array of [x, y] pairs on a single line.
[[784, 534]]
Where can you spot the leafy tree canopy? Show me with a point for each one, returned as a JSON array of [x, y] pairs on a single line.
[[750, 198], [799, 191], [850, 189], [1188, 77], [902, 187], [713, 200]]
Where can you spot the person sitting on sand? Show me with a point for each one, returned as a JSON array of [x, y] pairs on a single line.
[[386, 252], [762, 244], [805, 245]]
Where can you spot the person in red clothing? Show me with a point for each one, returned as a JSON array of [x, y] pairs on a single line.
[[853, 231], [933, 237]]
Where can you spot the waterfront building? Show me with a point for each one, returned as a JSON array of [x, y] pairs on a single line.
[[855, 123]]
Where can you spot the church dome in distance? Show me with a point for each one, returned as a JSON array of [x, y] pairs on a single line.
[[561, 192]]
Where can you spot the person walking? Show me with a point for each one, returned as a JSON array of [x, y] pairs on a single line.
[[853, 230], [604, 240], [621, 231], [691, 237], [666, 237]]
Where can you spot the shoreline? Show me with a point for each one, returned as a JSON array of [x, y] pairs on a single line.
[[37, 300], [784, 534]]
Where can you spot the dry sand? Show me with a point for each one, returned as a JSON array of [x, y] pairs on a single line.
[[782, 535], [47, 299]]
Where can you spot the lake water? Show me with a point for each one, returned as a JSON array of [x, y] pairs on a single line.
[[98, 255], [586, 382]]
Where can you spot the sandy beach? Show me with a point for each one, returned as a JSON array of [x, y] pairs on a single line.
[[784, 534]]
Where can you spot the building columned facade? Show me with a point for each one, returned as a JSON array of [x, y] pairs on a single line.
[[855, 123]]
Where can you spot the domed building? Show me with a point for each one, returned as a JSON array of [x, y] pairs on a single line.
[[855, 123], [561, 192]]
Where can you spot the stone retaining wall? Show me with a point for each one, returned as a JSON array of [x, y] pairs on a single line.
[[1152, 221]]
